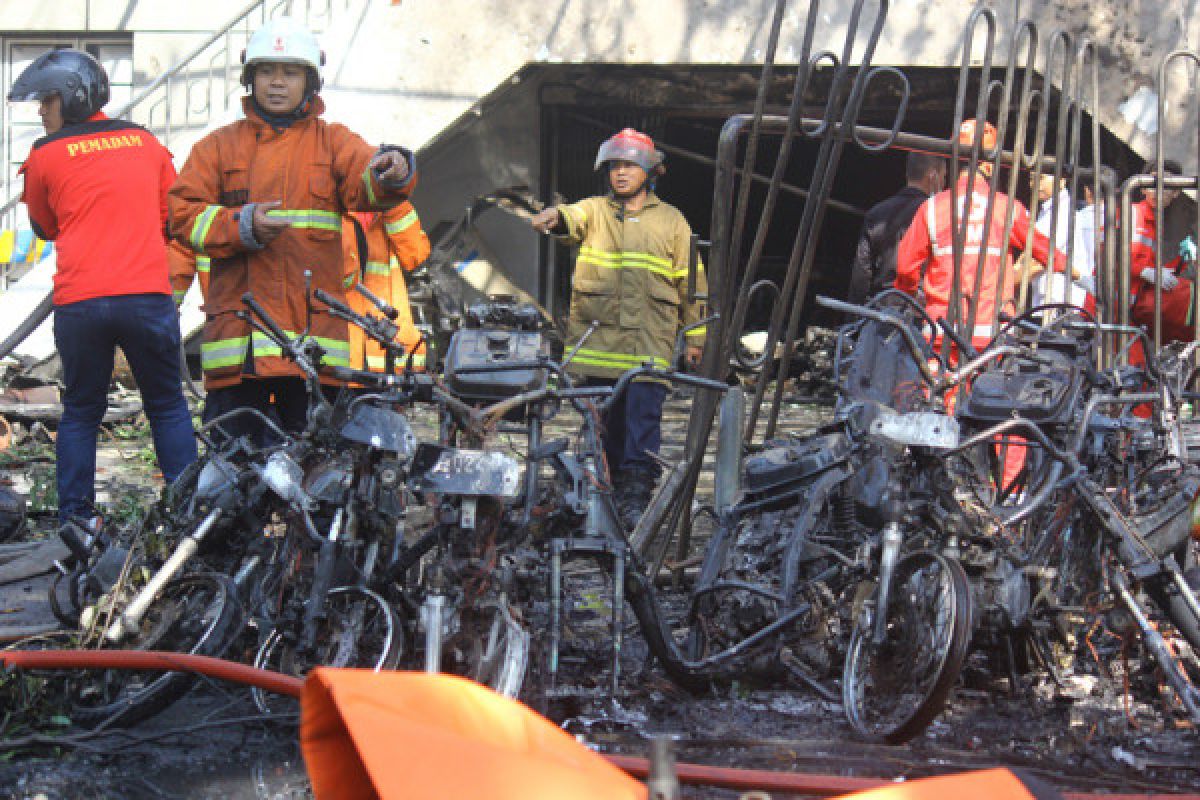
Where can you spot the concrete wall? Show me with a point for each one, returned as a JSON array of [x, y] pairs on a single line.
[[436, 58], [417, 65]]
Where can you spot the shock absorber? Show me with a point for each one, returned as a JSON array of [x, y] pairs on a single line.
[[845, 517]]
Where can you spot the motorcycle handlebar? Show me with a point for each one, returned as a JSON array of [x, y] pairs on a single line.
[[910, 338], [386, 309], [331, 301], [266, 319]]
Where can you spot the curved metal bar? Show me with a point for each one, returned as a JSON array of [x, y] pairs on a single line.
[[794, 125], [760, 104], [1159, 158], [1026, 33], [822, 125], [1066, 109], [738, 353], [958, 231], [804, 249], [905, 96]]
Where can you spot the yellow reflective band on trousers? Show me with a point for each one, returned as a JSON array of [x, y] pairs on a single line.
[[402, 224], [201, 226], [621, 361], [203, 264], [223, 352], [309, 218], [631, 260], [337, 352]]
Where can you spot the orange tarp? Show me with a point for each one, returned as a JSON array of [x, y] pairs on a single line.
[[413, 735], [988, 784]]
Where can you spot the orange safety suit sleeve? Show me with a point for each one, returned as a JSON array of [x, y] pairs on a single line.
[[359, 188], [181, 262], [406, 236], [196, 217], [913, 252], [1040, 246]]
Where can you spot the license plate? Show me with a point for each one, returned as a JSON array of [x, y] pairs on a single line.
[[450, 470]]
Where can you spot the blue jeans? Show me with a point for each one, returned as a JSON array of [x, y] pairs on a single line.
[[87, 333]]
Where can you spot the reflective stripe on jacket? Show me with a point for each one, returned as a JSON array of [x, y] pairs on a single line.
[[631, 277], [316, 170], [396, 244], [185, 266], [1143, 240], [928, 248]]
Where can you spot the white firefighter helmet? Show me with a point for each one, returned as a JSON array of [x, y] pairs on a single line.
[[284, 40]]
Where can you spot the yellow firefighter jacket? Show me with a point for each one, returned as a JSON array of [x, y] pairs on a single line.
[[631, 277], [396, 244]]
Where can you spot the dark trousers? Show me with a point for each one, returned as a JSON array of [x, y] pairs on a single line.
[[633, 427], [87, 333], [283, 400]]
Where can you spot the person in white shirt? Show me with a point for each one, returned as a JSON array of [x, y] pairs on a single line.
[[1051, 289]]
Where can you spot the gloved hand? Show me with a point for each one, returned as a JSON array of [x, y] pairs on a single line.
[[1187, 248], [1168, 281], [1087, 283]]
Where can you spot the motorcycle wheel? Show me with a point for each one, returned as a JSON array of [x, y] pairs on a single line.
[[360, 629], [498, 654], [196, 614], [893, 690]]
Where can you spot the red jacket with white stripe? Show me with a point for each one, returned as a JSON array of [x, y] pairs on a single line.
[[927, 249]]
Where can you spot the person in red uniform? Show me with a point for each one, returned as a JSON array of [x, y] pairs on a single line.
[[1177, 301], [927, 248], [97, 188]]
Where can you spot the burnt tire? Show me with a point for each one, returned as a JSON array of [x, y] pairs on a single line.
[[360, 629], [195, 614], [892, 690]]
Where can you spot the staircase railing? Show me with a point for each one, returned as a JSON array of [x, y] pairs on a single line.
[[201, 88]]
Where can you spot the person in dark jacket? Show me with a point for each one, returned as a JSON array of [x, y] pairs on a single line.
[[874, 267]]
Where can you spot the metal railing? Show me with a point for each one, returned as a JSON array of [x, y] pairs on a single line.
[[202, 87]]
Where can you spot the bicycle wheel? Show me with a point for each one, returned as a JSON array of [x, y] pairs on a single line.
[[892, 690], [196, 614], [359, 630]]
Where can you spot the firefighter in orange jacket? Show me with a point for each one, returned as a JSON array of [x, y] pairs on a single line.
[[929, 241], [263, 197], [394, 244]]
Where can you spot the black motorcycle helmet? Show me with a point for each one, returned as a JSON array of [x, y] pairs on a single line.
[[74, 75]]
